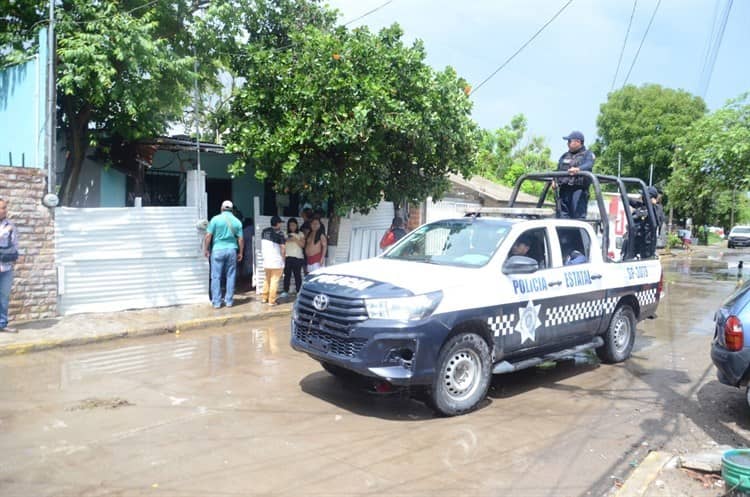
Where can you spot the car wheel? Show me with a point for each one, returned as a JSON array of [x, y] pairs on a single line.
[[339, 372], [747, 395], [729, 245], [463, 376], [619, 337]]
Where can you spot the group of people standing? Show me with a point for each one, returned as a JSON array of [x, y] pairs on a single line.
[[301, 249], [287, 254]]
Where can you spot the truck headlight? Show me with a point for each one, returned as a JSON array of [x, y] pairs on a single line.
[[404, 308]]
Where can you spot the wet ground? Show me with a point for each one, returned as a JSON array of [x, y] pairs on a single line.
[[237, 412]]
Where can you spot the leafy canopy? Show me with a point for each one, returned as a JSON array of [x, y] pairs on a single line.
[[350, 116], [643, 124], [711, 167], [503, 156]]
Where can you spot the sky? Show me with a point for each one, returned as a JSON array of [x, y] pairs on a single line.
[[559, 81]]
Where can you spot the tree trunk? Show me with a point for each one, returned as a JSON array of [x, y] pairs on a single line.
[[77, 137]]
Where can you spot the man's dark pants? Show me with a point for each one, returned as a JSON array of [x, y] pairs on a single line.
[[574, 201]]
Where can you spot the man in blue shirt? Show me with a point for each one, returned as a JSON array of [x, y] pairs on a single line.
[[225, 232], [8, 256]]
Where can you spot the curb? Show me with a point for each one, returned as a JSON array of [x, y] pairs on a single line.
[[160, 329], [639, 480]]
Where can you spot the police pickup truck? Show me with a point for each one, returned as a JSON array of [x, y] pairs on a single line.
[[458, 300]]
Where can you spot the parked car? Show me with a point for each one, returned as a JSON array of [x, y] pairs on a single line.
[[739, 237], [730, 352]]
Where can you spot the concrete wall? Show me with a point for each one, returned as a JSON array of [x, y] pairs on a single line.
[[23, 110], [34, 292]]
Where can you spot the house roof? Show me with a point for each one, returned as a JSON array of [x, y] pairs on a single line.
[[488, 188], [182, 142]]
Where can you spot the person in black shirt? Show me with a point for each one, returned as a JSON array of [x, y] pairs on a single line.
[[573, 190]]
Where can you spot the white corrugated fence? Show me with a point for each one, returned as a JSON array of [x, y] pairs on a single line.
[[111, 259]]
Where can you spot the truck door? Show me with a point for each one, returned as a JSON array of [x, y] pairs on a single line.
[[527, 297], [581, 305]]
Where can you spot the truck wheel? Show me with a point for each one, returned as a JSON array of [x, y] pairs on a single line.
[[339, 372], [463, 375], [619, 337]]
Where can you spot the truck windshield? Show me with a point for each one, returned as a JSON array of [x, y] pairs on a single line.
[[455, 243]]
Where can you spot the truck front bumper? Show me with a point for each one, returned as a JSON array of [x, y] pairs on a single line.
[[403, 354]]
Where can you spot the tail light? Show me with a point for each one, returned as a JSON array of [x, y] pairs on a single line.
[[733, 334]]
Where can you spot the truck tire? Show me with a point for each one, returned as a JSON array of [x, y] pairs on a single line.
[[463, 374], [619, 337]]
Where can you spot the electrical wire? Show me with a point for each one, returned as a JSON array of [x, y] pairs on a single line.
[[711, 60], [709, 42], [368, 13], [507, 61], [624, 43], [645, 34]]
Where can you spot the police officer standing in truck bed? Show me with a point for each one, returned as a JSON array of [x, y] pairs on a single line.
[[574, 189]]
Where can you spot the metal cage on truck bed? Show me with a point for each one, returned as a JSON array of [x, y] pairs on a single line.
[[596, 180]]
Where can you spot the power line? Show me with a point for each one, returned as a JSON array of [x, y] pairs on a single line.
[[710, 62], [642, 41], [507, 61], [368, 13], [709, 42], [624, 43]]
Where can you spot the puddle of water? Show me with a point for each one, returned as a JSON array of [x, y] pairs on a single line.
[[714, 268]]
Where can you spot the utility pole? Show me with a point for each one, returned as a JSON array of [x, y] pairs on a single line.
[[619, 163], [731, 218], [51, 101], [651, 175]]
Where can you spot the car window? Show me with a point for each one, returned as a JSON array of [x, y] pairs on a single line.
[[538, 246], [453, 242], [745, 230], [575, 245]]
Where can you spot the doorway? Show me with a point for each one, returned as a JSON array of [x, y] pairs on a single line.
[[217, 191]]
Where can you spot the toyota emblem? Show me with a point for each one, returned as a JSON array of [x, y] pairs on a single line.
[[320, 302]]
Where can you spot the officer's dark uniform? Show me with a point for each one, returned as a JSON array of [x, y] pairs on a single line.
[[574, 190]]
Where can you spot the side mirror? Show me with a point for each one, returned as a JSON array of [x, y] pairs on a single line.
[[520, 264]]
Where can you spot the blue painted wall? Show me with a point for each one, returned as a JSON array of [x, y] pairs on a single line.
[[244, 188], [23, 110], [113, 188]]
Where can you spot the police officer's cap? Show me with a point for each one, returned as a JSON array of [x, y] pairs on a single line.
[[574, 135], [652, 192]]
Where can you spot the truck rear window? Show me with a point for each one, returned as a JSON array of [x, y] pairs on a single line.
[[469, 243]]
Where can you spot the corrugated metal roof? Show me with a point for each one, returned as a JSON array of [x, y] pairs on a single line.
[[489, 188]]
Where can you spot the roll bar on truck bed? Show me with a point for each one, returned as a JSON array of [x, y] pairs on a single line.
[[596, 181]]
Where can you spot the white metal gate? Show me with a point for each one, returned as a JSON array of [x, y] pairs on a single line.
[[111, 259]]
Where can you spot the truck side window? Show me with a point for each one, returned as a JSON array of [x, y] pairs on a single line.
[[538, 246], [575, 245]]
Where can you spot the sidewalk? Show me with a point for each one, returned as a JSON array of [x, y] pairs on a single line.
[[81, 329]]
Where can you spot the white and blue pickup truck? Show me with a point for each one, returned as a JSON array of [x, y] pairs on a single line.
[[456, 301]]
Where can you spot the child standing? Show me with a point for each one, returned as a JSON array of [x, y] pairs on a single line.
[[295, 259]]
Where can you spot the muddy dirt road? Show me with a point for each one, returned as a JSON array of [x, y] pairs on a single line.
[[237, 412]]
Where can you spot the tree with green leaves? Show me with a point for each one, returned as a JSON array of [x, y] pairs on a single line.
[[503, 156], [125, 70], [711, 167], [350, 117], [643, 125]]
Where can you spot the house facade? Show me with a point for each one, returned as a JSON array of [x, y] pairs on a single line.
[[23, 184]]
